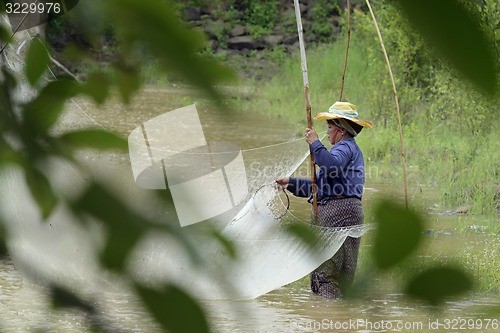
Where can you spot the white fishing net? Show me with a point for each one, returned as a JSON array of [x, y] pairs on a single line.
[[214, 186]]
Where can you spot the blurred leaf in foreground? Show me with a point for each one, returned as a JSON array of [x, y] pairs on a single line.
[[226, 243], [3, 237], [128, 82], [44, 111], [303, 232], [7, 85], [37, 60], [94, 138], [398, 233], [42, 191], [158, 32], [7, 154], [62, 298], [4, 34], [435, 284], [96, 86], [174, 309], [124, 227], [456, 33]]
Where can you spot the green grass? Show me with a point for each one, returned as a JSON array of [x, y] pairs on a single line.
[[455, 159], [462, 165], [469, 243]]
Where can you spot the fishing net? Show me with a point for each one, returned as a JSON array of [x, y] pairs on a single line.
[[216, 187]]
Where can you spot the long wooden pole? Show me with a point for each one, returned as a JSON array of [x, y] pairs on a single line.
[[403, 161], [346, 48], [308, 104]]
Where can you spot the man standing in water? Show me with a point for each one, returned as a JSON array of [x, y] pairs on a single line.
[[340, 182]]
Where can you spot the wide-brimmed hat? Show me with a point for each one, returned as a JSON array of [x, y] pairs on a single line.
[[343, 110], [344, 114]]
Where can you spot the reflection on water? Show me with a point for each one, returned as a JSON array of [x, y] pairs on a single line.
[[23, 308], [293, 308]]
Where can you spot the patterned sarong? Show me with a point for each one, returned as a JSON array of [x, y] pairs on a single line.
[[331, 279]]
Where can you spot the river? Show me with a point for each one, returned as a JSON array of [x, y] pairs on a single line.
[[25, 306]]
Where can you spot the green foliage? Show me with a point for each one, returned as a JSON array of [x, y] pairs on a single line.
[[64, 299], [44, 111], [398, 234], [410, 58], [124, 227], [262, 13], [173, 309], [448, 125], [93, 138], [97, 86], [42, 191], [148, 30], [419, 72], [3, 237], [322, 25], [151, 19], [37, 61], [481, 260], [456, 33], [277, 55], [128, 81], [144, 31], [259, 16], [227, 244], [303, 232], [4, 34], [448, 133], [438, 283], [489, 13]]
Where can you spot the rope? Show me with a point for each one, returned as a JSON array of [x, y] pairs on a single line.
[[321, 134], [403, 162], [287, 206]]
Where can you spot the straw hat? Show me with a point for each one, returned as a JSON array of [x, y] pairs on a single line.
[[347, 111]]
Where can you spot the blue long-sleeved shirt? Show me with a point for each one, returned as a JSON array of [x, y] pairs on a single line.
[[341, 172]]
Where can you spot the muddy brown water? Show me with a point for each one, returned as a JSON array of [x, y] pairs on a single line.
[[25, 307]]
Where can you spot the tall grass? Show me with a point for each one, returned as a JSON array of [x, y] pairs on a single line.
[[461, 161], [283, 94], [451, 142]]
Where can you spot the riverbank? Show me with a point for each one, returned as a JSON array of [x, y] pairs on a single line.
[[462, 166], [249, 36], [450, 141], [451, 145], [451, 152]]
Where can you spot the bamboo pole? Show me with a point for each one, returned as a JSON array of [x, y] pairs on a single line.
[[308, 105], [403, 162], [347, 47]]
